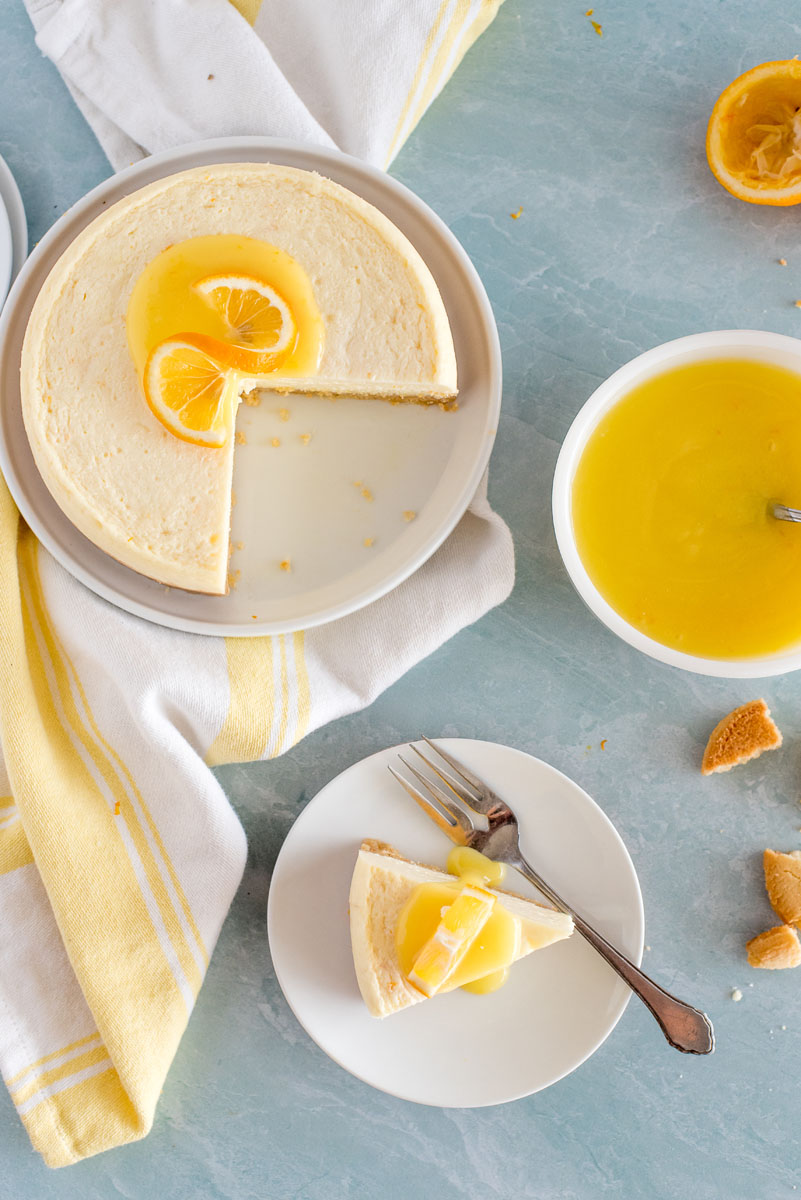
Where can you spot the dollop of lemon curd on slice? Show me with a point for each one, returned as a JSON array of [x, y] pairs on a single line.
[[671, 508], [453, 935]]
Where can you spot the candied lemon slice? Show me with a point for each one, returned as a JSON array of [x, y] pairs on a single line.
[[459, 926], [753, 143], [258, 320], [190, 392]]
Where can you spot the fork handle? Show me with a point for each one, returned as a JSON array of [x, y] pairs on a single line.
[[686, 1028]]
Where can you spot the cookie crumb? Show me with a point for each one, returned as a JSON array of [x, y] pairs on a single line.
[[783, 883], [239, 545], [233, 579], [285, 564], [515, 215], [283, 414], [597, 27], [776, 949], [782, 262], [368, 495], [741, 735], [305, 438], [736, 995], [368, 542], [603, 743], [240, 438], [275, 442], [409, 514], [253, 399]]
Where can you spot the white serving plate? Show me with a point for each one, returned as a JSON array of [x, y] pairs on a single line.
[[297, 502], [13, 230], [456, 1050]]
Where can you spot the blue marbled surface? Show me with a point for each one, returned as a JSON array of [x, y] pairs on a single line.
[[625, 240]]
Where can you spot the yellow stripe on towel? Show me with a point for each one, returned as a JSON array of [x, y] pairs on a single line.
[[269, 704], [102, 1103], [15, 851], [248, 8], [423, 63], [36, 1068], [464, 21], [81, 850], [251, 703], [187, 969]]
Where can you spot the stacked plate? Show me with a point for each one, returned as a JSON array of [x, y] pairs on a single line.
[[13, 230]]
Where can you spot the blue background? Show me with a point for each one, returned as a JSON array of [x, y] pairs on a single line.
[[625, 241]]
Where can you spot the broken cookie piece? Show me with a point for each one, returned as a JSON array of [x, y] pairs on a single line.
[[743, 734], [775, 949], [783, 883]]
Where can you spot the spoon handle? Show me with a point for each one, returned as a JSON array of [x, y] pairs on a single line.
[[686, 1028], [783, 513]]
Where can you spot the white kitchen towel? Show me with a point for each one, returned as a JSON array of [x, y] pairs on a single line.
[[356, 74], [119, 854]]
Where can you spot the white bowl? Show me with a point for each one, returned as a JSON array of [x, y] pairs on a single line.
[[773, 348]]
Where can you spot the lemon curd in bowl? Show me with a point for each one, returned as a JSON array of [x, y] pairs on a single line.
[[671, 508]]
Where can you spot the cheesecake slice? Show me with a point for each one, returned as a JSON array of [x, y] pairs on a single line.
[[160, 505], [382, 883]]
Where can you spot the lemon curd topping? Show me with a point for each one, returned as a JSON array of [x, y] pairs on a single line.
[[671, 508], [166, 301], [486, 947]]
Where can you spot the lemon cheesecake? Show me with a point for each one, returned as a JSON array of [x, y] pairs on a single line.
[[221, 280], [417, 931]]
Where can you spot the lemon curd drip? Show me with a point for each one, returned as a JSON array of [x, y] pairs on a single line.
[[164, 302], [671, 508], [485, 964]]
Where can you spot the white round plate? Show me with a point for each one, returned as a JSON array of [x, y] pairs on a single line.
[[13, 230], [6, 253], [457, 1050], [299, 501]]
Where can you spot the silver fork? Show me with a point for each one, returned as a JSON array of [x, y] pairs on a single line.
[[686, 1028]]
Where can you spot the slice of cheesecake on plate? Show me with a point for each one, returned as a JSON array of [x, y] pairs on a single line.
[[383, 883]]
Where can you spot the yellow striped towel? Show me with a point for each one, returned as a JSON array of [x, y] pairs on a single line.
[[357, 74], [119, 854]]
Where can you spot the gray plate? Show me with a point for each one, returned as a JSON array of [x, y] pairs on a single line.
[[412, 459]]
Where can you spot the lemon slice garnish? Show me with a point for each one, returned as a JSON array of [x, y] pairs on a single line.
[[458, 928]]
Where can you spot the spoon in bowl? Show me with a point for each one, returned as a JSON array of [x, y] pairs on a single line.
[[783, 513]]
